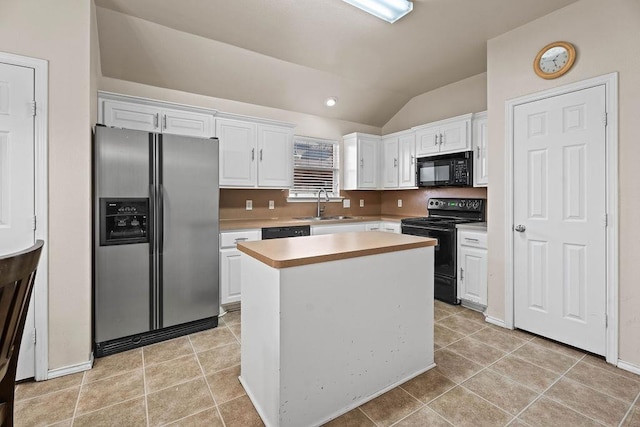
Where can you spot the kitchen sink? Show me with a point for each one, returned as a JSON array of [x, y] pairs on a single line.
[[324, 218]]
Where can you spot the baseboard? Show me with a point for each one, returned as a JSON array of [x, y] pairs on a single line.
[[474, 306], [629, 367], [495, 321], [72, 369]]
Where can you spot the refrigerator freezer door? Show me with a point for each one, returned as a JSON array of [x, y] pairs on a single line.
[[122, 272], [189, 242]]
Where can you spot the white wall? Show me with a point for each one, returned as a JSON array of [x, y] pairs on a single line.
[[465, 96], [59, 32], [607, 39]]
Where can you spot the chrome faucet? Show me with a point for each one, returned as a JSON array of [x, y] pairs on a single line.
[[326, 197]]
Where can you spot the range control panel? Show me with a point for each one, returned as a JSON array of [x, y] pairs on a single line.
[[473, 205]]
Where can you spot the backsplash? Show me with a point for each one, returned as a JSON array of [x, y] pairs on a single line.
[[414, 202]]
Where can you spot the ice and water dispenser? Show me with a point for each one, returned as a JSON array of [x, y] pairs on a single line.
[[124, 221]]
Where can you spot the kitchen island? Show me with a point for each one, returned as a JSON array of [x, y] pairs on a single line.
[[332, 321]]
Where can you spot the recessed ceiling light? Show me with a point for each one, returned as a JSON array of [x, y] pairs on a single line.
[[330, 102], [387, 10]]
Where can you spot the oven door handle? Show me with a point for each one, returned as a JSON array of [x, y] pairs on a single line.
[[420, 227]]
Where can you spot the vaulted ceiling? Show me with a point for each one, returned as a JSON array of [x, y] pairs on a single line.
[[293, 54]]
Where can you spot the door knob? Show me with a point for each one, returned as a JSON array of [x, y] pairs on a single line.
[[520, 228]]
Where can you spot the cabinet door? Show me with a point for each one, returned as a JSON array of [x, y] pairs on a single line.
[[407, 151], [373, 226], [187, 123], [368, 166], [130, 116], [427, 141], [390, 227], [390, 162], [229, 276], [455, 136], [480, 171], [472, 275], [237, 153], [275, 156]]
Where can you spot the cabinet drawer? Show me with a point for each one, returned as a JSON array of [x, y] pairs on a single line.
[[473, 239], [230, 240]]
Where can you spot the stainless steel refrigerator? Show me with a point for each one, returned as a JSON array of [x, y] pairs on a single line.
[[155, 269]]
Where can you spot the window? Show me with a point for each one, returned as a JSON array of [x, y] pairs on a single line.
[[315, 166]]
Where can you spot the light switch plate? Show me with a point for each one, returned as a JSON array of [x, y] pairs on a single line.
[[346, 203], [272, 205], [362, 203], [399, 203], [249, 205]]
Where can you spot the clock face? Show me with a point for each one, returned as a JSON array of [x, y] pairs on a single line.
[[554, 59]]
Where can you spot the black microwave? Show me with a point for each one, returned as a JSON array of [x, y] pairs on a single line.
[[446, 170]]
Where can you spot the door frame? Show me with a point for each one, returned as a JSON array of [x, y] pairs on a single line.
[[610, 82], [41, 181]]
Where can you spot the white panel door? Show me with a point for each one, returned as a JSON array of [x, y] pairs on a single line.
[[275, 156], [427, 141], [230, 290], [390, 162], [454, 137], [481, 154], [368, 167], [407, 149], [237, 153], [187, 123], [17, 186], [559, 208], [472, 281], [130, 116]]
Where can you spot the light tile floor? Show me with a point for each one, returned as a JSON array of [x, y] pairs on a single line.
[[486, 376]]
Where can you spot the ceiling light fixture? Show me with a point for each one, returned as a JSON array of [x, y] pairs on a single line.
[[330, 102], [387, 10]]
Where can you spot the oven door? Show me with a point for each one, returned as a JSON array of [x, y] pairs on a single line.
[[432, 173], [445, 250]]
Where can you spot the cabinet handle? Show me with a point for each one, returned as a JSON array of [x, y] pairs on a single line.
[[362, 162], [413, 159], [164, 121], [441, 138], [156, 119], [469, 239], [477, 152], [461, 274], [436, 139], [241, 239], [253, 154], [395, 163], [261, 154]]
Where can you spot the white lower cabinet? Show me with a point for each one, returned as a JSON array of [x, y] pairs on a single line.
[[472, 266], [230, 263], [388, 226], [338, 228]]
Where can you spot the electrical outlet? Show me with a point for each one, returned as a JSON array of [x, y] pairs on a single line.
[[249, 205], [399, 203], [346, 203], [362, 203], [272, 204]]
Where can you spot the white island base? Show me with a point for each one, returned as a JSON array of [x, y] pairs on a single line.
[[321, 339]]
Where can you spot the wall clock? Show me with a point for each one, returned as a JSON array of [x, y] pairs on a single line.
[[554, 60]]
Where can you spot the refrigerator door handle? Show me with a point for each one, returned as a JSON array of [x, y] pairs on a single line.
[[160, 218]]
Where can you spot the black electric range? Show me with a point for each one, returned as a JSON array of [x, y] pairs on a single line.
[[444, 215]]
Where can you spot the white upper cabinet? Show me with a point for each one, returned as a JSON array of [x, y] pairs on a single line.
[[152, 116], [360, 166], [480, 150], [255, 154], [407, 159], [398, 160], [237, 152], [275, 156], [390, 162], [445, 136]]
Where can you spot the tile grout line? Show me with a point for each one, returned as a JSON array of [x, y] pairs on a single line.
[[631, 409], [204, 376], [366, 416], [75, 409], [144, 384]]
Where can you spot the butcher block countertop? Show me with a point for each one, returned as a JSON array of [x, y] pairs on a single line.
[[240, 224], [296, 251]]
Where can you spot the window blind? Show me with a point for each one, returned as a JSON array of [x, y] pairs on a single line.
[[315, 166]]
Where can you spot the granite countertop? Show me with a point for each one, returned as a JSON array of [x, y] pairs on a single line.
[[282, 253], [240, 224], [473, 226]]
